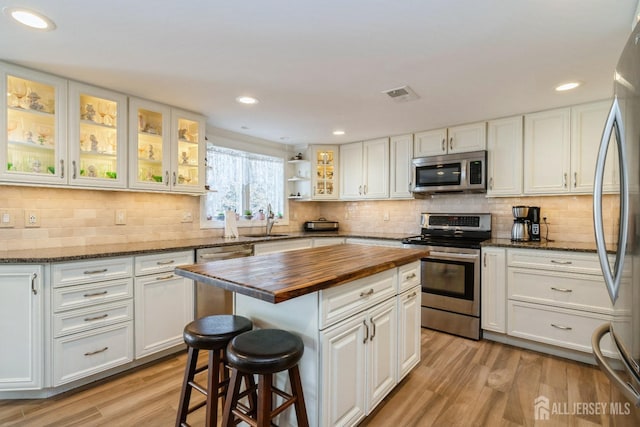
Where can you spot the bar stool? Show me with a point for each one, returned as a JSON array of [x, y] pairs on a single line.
[[212, 334], [263, 352]]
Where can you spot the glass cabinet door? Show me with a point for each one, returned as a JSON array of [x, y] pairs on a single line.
[[97, 137], [149, 141], [325, 179], [34, 127], [188, 151]]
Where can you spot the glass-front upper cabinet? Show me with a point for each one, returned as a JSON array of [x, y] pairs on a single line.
[[33, 127], [97, 137], [188, 151], [166, 148], [324, 175]]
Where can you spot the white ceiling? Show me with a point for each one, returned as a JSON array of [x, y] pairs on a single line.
[[319, 65]]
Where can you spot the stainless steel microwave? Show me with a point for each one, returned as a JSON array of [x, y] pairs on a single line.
[[462, 172]]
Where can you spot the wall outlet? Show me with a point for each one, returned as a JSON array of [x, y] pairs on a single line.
[[31, 218], [187, 216], [385, 216], [121, 217], [7, 218]]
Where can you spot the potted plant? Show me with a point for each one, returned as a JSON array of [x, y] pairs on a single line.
[[247, 214]]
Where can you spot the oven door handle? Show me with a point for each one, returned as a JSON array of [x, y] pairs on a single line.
[[452, 255]]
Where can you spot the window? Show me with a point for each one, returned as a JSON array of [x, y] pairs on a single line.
[[242, 181]]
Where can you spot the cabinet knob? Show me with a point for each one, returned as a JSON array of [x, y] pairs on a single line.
[[451, 143], [564, 180], [443, 146]]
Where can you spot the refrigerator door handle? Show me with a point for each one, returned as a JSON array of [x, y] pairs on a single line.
[[627, 389], [612, 278]]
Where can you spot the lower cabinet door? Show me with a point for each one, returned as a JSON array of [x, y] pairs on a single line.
[[382, 355], [163, 307], [343, 372], [80, 355], [408, 331]]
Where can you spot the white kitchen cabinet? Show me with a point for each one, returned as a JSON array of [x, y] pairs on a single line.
[[166, 148], [365, 169], [587, 124], [547, 151], [456, 139], [33, 125], [163, 301], [400, 179], [299, 179], [408, 331], [324, 172], [97, 137], [92, 317], [493, 308], [358, 364], [281, 246], [21, 327], [327, 241], [504, 156]]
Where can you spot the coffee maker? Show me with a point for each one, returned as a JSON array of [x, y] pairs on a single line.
[[520, 229], [533, 219]]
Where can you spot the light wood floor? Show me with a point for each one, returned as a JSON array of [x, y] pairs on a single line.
[[458, 382]]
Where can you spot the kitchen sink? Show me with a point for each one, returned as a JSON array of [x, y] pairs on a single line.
[[264, 235]]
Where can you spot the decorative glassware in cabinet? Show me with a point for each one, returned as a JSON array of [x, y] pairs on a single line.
[[31, 127], [97, 136], [150, 146], [325, 172], [188, 147]]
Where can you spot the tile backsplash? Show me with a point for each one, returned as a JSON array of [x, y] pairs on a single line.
[[72, 217]]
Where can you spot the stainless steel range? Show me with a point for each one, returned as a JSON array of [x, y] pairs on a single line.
[[451, 272]]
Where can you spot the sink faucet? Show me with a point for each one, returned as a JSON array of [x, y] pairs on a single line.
[[270, 219]]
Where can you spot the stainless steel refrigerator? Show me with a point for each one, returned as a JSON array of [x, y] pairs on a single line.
[[621, 140]]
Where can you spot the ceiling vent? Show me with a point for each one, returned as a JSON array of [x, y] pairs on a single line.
[[401, 94]]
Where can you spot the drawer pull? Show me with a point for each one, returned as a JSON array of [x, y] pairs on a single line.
[[561, 289], [104, 270], [165, 277], [366, 337], [95, 294], [165, 262], [91, 353], [553, 261], [411, 295], [410, 276], [366, 294], [90, 319], [564, 328]]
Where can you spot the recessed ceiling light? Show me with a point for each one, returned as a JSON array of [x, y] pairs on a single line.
[[567, 86], [30, 18], [338, 132], [246, 100]]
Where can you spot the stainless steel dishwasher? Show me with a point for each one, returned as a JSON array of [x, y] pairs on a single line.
[[211, 299]]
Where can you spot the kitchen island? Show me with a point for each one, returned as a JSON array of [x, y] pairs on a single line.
[[356, 308]]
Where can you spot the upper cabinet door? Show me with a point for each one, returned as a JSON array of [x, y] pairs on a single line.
[[187, 152], [149, 145], [400, 179], [375, 159], [33, 127], [97, 137], [466, 138], [430, 143], [504, 155], [324, 172]]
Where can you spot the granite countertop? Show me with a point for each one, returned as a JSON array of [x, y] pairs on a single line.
[[73, 253], [545, 245], [282, 276]]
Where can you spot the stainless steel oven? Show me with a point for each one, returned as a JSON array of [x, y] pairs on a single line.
[[451, 272]]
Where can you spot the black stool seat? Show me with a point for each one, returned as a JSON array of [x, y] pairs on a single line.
[[264, 351], [214, 332]]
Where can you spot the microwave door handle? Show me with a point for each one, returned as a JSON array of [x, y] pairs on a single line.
[[613, 124], [464, 166]]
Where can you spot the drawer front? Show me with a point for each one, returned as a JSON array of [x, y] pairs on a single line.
[[80, 355], [162, 262], [408, 276], [77, 273], [560, 327], [575, 262], [569, 290], [71, 322], [346, 300], [72, 297]]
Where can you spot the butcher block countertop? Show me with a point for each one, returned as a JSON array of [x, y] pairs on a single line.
[[282, 276]]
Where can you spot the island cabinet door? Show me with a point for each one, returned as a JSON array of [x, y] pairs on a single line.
[[381, 352], [343, 372], [408, 331]]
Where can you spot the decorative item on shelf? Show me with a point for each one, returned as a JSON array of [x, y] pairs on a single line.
[[28, 136], [44, 132], [247, 214], [19, 90], [185, 158], [112, 175], [33, 98], [94, 143], [92, 172], [182, 134], [51, 170], [89, 112], [183, 179], [150, 152], [156, 178], [260, 215], [11, 126], [36, 166], [297, 157]]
